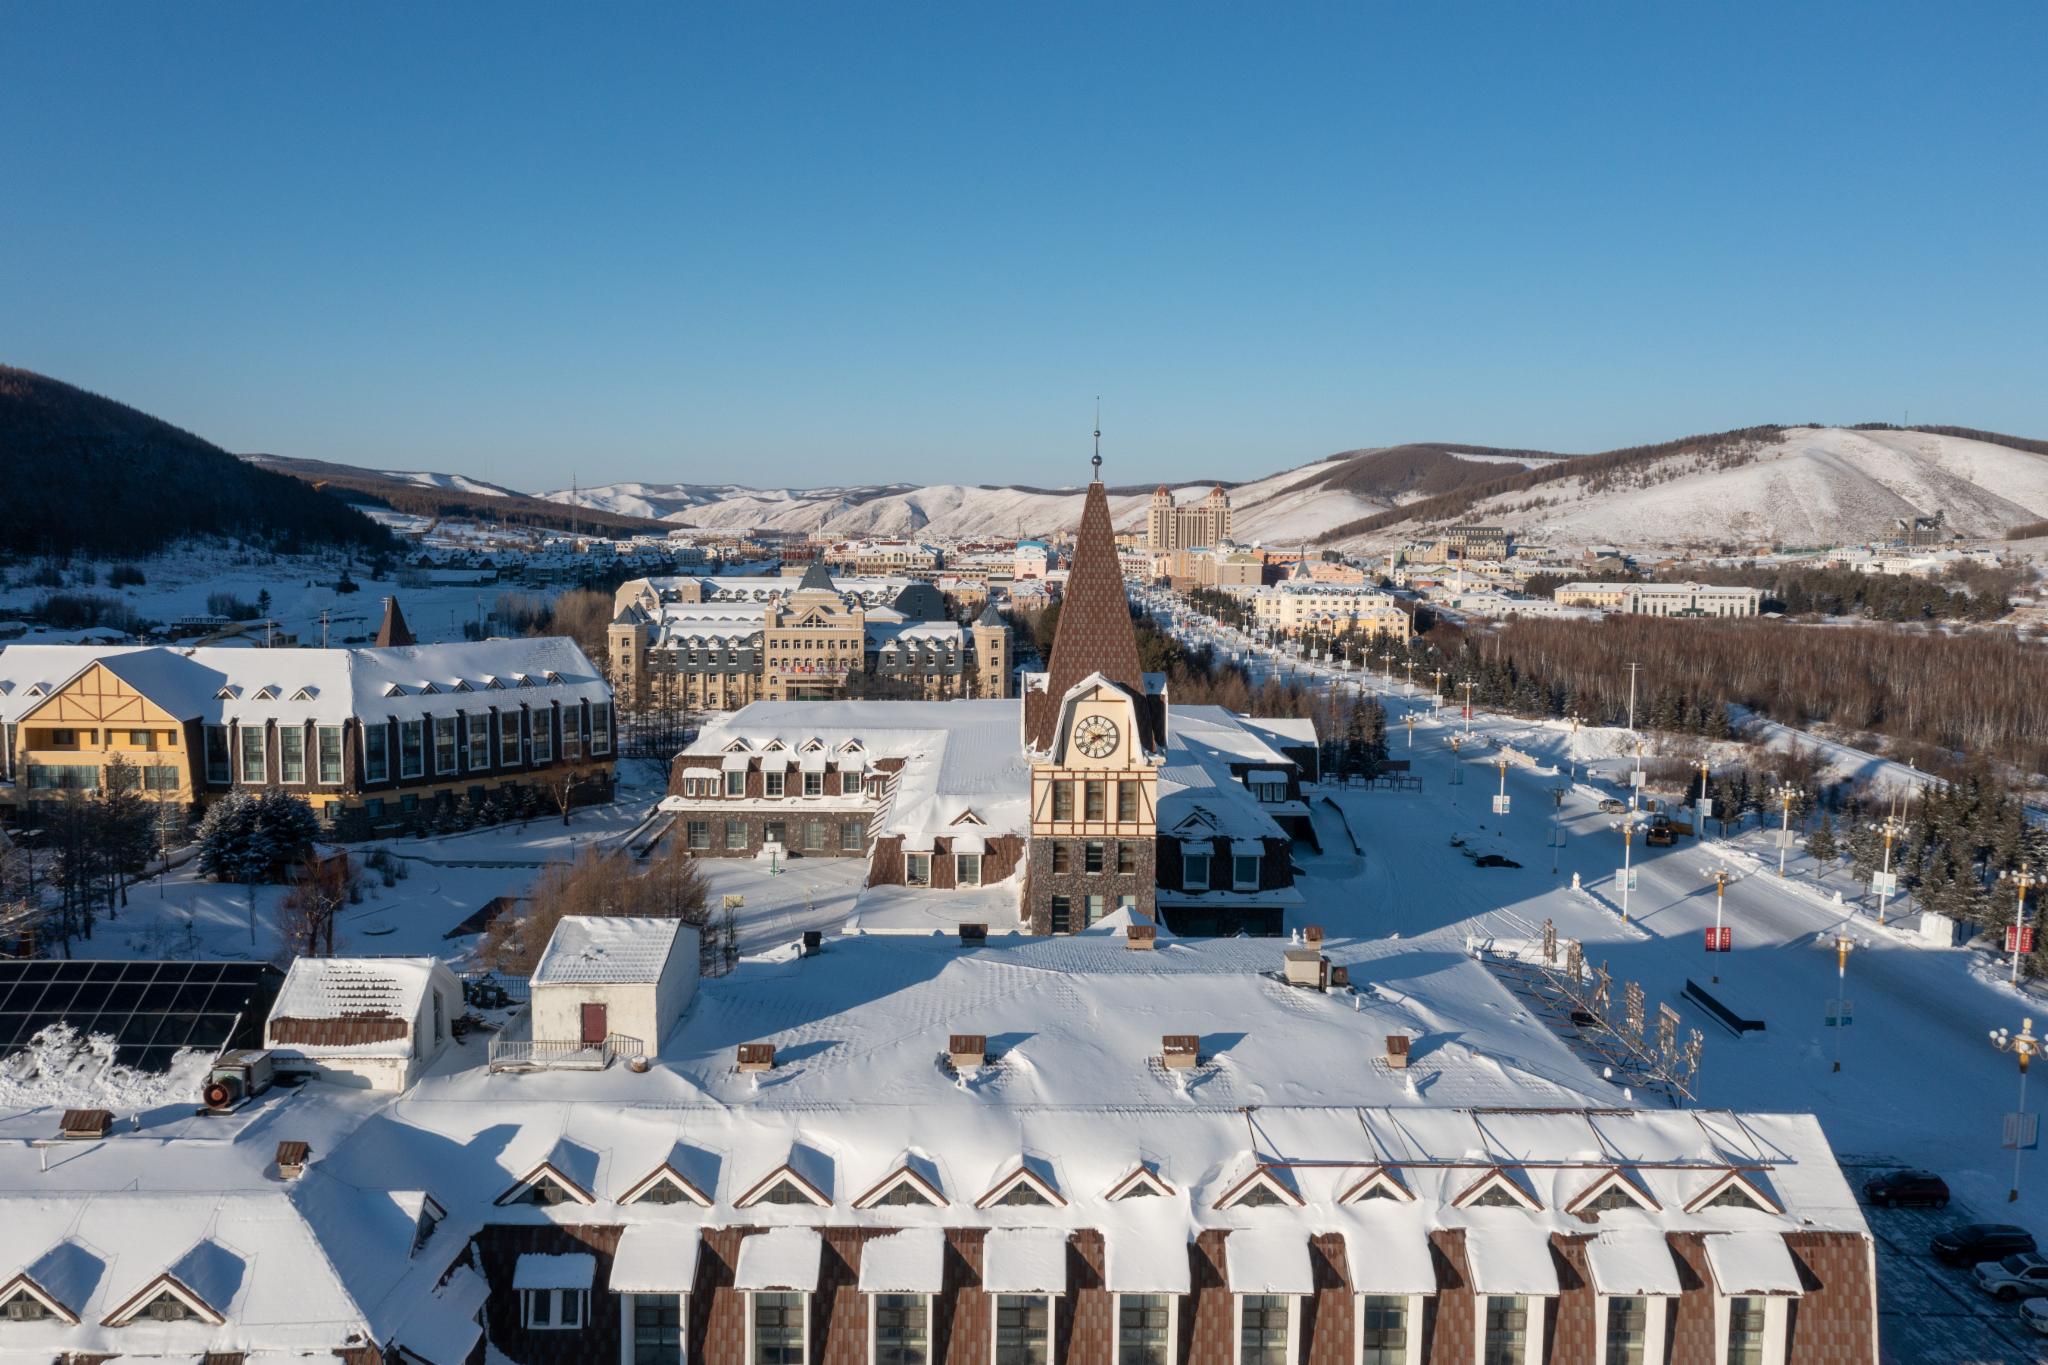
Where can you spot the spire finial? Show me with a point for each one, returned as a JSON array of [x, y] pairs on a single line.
[[1097, 461]]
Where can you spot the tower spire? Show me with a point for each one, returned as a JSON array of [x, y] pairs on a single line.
[[1097, 462]]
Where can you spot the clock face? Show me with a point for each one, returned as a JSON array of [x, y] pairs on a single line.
[[1095, 736]]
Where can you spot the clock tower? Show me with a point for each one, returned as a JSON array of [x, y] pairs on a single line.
[[1095, 727]]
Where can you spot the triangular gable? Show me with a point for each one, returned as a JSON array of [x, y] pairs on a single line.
[[1198, 816], [811, 746], [662, 1177], [427, 689], [136, 1305], [493, 683], [1023, 1178], [968, 817], [228, 692], [462, 685], [739, 746], [1143, 1181], [1381, 1182], [853, 746], [306, 694], [551, 675], [1607, 1190], [38, 689], [21, 1286], [1733, 1189], [773, 746], [267, 692], [1266, 1185], [394, 690], [548, 1171], [766, 1190], [1497, 1187], [921, 1186]]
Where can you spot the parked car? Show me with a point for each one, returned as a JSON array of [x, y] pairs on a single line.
[[2035, 1312], [1900, 1189], [1974, 1242], [2015, 1277], [1610, 806]]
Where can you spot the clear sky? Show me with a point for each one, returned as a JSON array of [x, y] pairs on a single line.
[[792, 244]]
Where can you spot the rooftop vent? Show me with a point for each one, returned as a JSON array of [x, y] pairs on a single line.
[[1397, 1050], [86, 1123], [973, 935], [1180, 1051], [967, 1050], [814, 939], [1313, 936], [1141, 936], [291, 1158], [1340, 977], [1307, 967], [757, 1056]]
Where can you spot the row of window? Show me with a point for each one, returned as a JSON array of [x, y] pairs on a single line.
[[707, 783], [1093, 908], [816, 834], [917, 868], [1198, 870], [1096, 857], [1094, 794], [244, 753], [1387, 1328]]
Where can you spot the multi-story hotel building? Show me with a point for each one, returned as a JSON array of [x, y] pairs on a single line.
[[1189, 527], [1303, 604]]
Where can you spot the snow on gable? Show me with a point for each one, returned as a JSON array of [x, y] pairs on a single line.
[[1496, 1188], [1613, 1189], [203, 1283], [1264, 1185], [1143, 1182], [1733, 1189], [567, 1174], [61, 1279], [1030, 1181], [615, 949], [1381, 1182], [805, 1177], [913, 1180]]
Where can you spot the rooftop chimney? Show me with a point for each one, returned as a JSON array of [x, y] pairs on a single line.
[[291, 1159], [757, 1056], [1313, 936], [1141, 936], [85, 1124], [1180, 1051], [1306, 967], [1397, 1050], [973, 935], [813, 940], [967, 1050]]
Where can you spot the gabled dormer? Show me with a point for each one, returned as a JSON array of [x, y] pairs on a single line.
[[1264, 1186], [784, 1185], [1143, 1182], [307, 693], [1612, 1189], [665, 1185], [267, 692], [545, 1186], [1733, 1189], [197, 1287], [1495, 1188], [914, 1182], [1381, 1182], [1028, 1184]]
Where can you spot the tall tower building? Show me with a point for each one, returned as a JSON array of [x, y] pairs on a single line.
[[1096, 731], [1193, 527]]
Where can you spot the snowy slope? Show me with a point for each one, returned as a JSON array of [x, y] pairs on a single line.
[[1821, 485], [460, 483]]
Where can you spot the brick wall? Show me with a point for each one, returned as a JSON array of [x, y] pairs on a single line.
[[1691, 1320], [1330, 1315], [1833, 1323], [1041, 883], [1575, 1319], [1448, 1338]]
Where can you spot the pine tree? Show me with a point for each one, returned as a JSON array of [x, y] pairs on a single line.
[[1821, 846]]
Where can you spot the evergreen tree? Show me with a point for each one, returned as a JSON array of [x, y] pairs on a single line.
[[1821, 845]]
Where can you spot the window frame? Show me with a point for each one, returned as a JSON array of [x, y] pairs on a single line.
[[1238, 881], [600, 728], [1411, 1327], [222, 774], [286, 735], [1094, 800], [924, 1304], [910, 862], [961, 862], [738, 827], [814, 784], [479, 738], [1116, 1345], [1529, 1329], [542, 744], [376, 757], [416, 729], [1062, 799], [995, 1328], [555, 1300], [774, 783], [1127, 801], [246, 733], [447, 751], [322, 734], [1188, 856], [629, 1305], [736, 782], [1289, 1352], [697, 835], [513, 755], [803, 1310]]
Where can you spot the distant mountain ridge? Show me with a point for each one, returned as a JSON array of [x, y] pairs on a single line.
[[93, 476], [425, 494]]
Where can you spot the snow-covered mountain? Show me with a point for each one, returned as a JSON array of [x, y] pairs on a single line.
[[460, 483], [1802, 485]]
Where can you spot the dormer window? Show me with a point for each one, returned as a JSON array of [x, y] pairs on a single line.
[[305, 694], [1142, 1183], [166, 1307], [1497, 1190], [267, 692]]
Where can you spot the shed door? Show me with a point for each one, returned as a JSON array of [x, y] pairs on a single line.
[[594, 1029]]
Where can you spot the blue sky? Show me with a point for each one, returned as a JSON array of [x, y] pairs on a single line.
[[792, 244]]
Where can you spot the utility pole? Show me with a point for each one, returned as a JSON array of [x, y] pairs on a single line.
[[1556, 834], [1785, 793], [1468, 685], [2021, 932], [1632, 671], [1575, 748], [1635, 779], [1457, 771], [2024, 1046], [323, 627]]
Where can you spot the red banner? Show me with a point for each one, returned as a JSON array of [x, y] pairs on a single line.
[[2019, 939], [1720, 940]]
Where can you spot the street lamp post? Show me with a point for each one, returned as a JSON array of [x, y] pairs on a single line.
[[2024, 1046], [1785, 793], [1705, 806], [1722, 876], [1409, 720], [1576, 718], [1843, 943], [2022, 880], [1468, 686], [1557, 795], [1635, 778], [1628, 831], [1438, 696]]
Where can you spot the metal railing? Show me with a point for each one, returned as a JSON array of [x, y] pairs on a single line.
[[524, 1054]]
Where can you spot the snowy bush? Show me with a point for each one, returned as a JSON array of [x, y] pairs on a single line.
[[250, 837]]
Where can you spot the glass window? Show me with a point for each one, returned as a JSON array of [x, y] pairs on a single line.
[[1144, 1323], [849, 784], [1092, 856], [1507, 1330], [600, 727], [1383, 1329], [902, 1334], [1095, 799], [376, 751], [1262, 1329], [508, 737], [330, 754], [736, 784], [814, 836], [967, 869], [1062, 858], [553, 1310], [700, 833], [217, 766], [774, 832], [657, 1329], [1628, 1330], [1244, 870], [917, 869], [1127, 856], [444, 744], [735, 834], [1127, 800], [1062, 915], [543, 737], [291, 754], [411, 748], [253, 770], [1745, 1331], [479, 742], [1023, 1329], [771, 782], [1097, 906], [63, 777], [1062, 800], [852, 837], [778, 1329], [1194, 871], [160, 777], [814, 784]]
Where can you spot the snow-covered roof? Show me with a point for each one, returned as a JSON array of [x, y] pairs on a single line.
[[912, 1261], [1024, 1261], [1632, 1260], [216, 684], [1268, 1260], [785, 1258], [360, 1005], [655, 1258], [554, 1270], [1508, 1254], [607, 948], [1752, 1262]]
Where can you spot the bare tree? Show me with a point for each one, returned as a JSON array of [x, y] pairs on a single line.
[[320, 886]]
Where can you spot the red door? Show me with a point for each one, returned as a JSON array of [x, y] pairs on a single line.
[[593, 1025]]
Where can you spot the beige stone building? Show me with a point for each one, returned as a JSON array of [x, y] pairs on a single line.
[[1302, 604], [1172, 527]]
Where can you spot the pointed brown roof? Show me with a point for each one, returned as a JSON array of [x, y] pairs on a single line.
[[393, 630], [1095, 634]]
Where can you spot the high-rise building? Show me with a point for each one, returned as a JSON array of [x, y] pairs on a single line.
[[1172, 527]]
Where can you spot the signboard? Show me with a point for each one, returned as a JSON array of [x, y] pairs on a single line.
[[1720, 940], [1705, 806], [2022, 1132], [1500, 805], [1884, 883], [1841, 1014], [1635, 779], [733, 902], [2019, 938], [1625, 876], [1784, 838]]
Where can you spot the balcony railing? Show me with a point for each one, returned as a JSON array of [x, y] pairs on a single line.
[[524, 1054]]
